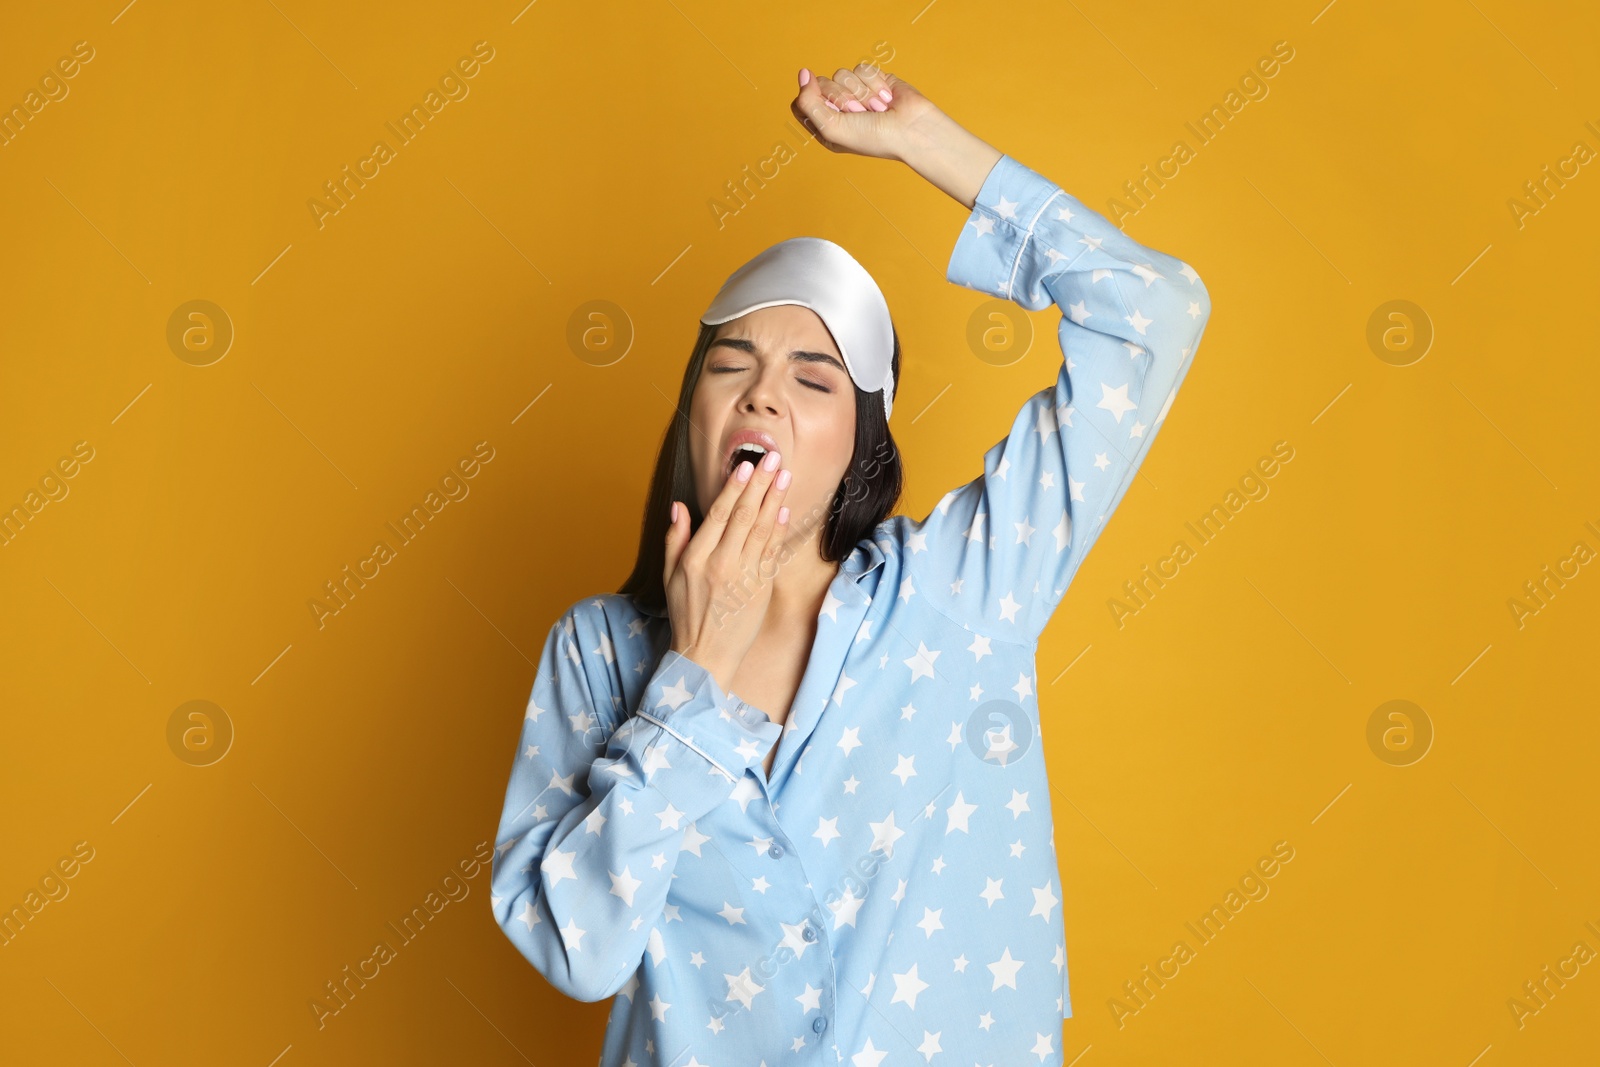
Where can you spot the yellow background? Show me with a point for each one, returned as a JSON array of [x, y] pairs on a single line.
[[370, 755]]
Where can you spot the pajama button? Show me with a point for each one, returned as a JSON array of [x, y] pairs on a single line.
[[819, 1024], [775, 850], [809, 933]]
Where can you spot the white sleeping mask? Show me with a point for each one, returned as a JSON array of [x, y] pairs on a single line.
[[818, 274]]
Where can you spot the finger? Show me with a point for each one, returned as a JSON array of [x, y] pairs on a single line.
[[816, 112], [759, 543], [856, 88], [709, 535], [812, 127], [677, 529], [737, 529], [877, 83], [833, 95]]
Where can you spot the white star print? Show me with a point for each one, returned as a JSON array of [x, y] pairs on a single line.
[[624, 885], [868, 1056], [958, 814], [675, 694], [692, 840], [1005, 971], [845, 908], [794, 939], [742, 987], [904, 768], [884, 835], [1008, 609], [1043, 901], [1115, 401], [922, 663], [558, 865], [906, 987]]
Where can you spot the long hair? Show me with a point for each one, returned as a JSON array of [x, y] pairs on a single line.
[[867, 494]]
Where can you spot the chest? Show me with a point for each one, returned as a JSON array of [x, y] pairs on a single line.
[[771, 673]]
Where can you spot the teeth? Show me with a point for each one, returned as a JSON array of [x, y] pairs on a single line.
[[760, 450]]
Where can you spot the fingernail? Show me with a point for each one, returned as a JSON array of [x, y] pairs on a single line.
[[877, 105], [853, 104], [886, 94], [831, 104], [770, 461], [783, 516], [744, 471], [673, 511], [805, 77], [783, 478]]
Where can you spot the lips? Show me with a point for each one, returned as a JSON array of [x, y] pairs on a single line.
[[740, 438]]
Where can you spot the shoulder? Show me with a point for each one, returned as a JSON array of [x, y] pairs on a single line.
[[603, 613]]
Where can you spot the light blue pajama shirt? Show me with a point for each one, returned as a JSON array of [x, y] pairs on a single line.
[[891, 895]]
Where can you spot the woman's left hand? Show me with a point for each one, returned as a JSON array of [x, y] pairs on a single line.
[[867, 111]]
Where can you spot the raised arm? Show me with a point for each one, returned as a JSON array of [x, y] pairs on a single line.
[[998, 552], [596, 814]]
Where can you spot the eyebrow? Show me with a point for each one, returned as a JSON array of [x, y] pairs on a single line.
[[797, 356]]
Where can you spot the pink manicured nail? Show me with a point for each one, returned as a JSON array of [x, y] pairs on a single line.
[[744, 471], [805, 77], [769, 461], [673, 511], [853, 104], [783, 516], [782, 481], [888, 97], [831, 104], [877, 105]]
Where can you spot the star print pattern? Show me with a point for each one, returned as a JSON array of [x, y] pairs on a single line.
[[905, 832], [1131, 322]]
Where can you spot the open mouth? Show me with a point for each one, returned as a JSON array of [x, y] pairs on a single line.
[[752, 452]]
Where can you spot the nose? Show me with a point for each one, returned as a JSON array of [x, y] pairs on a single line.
[[765, 391]]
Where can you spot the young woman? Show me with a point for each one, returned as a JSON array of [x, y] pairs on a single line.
[[782, 794]]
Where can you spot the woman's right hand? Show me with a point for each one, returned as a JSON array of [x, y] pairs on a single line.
[[719, 580]]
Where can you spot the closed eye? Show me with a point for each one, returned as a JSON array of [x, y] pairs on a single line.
[[725, 369]]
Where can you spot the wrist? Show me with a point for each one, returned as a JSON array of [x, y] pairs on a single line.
[[949, 156], [720, 674]]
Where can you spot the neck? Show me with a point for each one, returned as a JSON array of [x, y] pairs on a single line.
[[801, 583]]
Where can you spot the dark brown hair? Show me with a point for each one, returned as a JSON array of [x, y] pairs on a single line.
[[867, 493]]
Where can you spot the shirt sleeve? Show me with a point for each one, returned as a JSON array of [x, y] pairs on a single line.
[[595, 818], [998, 553]]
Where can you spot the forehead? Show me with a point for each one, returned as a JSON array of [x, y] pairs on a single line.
[[780, 328]]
